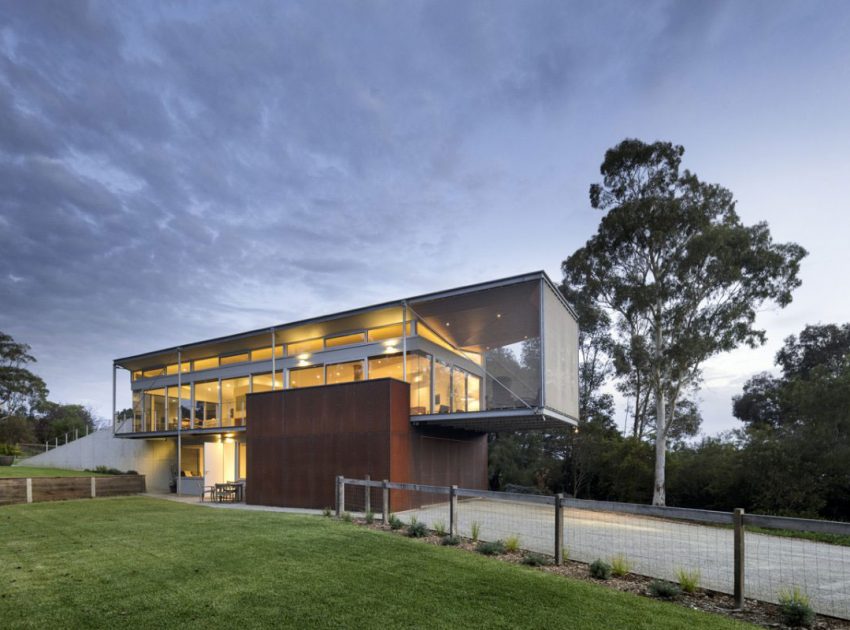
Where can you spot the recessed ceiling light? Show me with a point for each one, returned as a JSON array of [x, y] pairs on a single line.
[[498, 315], [448, 324]]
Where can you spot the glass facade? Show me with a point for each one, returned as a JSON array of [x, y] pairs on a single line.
[[344, 372], [506, 347], [234, 397]]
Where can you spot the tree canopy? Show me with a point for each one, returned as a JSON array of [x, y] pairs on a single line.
[[679, 273]]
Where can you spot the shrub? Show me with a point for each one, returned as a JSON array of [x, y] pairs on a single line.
[[688, 580], [9, 450], [327, 512], [536, 560], [370, 517], [620, 566], [476, 530], [664, 589], [346, 516], [440, 528], [395, 522], [494, 548], [416, 529], [451, 540], [600, 570], [131, 472], [795, 608], [512, 544]]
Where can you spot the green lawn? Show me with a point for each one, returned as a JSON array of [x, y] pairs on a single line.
[[7, 472], [138, 562]]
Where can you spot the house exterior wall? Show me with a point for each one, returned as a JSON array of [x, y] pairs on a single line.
[[300, 440], [152, 458]]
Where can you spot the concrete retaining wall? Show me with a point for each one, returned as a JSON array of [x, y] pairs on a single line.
[[152, 458]]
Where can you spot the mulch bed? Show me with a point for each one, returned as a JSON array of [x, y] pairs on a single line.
[[756, 612]]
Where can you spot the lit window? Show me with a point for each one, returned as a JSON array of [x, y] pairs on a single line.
[[206, 364], [263, 382], [206, 404], [303, 347], [344, 372], [345, 340], [265, 354], [234, 358], [387, 332], [234, 393], [307, 377]]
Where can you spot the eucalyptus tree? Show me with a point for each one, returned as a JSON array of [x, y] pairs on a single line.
[[21, 391], [680, 274]]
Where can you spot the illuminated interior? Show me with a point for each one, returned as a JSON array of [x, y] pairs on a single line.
[[481, 350]]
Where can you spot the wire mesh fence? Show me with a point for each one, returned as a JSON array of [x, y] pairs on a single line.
[[657, 542]]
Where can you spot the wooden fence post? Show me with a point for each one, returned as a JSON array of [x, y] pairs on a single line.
[[453, 511], [368, 489], [559, 529], [29, 490], [385, 511], [93, 490], [738, 520], [340, 495]]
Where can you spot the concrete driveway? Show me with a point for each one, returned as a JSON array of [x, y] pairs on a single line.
[[657, 548]]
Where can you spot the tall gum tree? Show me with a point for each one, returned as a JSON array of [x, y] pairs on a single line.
[[680, 274]]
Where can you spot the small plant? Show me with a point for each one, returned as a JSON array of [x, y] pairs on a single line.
[[620, 566], [795, 608], [416, 529], [600, 570], [664, 589], [370, 517], [346, 516], [451, 541], [494, 548], [512, 544], [536, 560], [9, 450], [440, 528], [688, 580], [395, 522], [327, 512], [476, 531]]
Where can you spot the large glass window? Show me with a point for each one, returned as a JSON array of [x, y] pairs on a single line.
[[442, 387], [458, 390], [307, 377], [171, 410], [388, 366], [243, 460], [345, 340], [234, 393], [205, 364], [235, 358], [206, 405], [265, 354], [473, 393], [305, 347], [419, 375], [192, 461], [160, 371], [138, 420], [185, 406], [344, 372], [264, 382], [154, 410], [560, 355]]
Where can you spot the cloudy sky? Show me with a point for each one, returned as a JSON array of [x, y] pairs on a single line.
[[186, 170]]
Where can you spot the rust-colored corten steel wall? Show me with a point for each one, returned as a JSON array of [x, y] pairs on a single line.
[[299, 440]]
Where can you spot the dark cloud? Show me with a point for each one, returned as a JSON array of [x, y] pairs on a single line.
[[170, 172]]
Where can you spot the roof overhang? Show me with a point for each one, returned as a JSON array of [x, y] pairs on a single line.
[[497, 420]]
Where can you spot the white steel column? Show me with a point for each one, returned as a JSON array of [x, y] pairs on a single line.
[[179, 419], [274, 363], [404, 341], [114, 413]]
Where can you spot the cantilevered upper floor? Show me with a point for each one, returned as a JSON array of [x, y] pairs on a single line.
[[500, 355]]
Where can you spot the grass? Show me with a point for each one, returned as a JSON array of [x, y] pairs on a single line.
[[16, 472], [138, 562], [832, 539]]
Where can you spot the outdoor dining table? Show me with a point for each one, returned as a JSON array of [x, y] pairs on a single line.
[[228, 492]]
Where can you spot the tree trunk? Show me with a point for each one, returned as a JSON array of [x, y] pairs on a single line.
[[659, 492]]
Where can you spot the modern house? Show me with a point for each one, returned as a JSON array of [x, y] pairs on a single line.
[[405, 390]]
